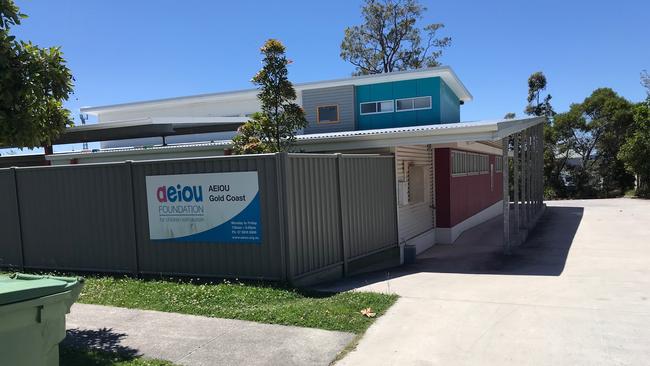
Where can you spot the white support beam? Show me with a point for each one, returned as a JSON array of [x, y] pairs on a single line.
[[524, 179], [506, 198], [533, 171], [515, 183]]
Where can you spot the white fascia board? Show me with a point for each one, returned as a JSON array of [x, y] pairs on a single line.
[[248, 94], [483, 131], [444, 72], [474, 146], [337, 144], [126, 153], [199, 120], [102, 126], [158, 120], [508, 127]]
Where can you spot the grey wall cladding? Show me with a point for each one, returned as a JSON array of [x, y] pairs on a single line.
[[343, 96]]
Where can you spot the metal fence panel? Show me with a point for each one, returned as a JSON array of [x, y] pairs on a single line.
[[313, 213], [262, 261], [77, 217], [368, 204], [10, 251], [317, 212]]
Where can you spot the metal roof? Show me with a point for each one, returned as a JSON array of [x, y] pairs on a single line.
[[493, 130], [445, 72], [148, 127]]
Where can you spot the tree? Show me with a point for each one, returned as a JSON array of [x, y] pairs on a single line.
[[635, 152], [645, 81], [510, 115], [389, 39], [538, 106], [274, 128], [593, 131], [34, 83], [541, 107]]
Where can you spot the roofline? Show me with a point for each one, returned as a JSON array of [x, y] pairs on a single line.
[[452, 81], [148, 121], [416, 135]]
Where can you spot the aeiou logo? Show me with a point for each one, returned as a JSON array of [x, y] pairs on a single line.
[[179, 193]]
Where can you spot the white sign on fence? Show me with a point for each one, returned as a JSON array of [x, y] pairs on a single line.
[[211, 207]]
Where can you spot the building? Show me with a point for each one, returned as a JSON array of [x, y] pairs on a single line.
[[449, 174]]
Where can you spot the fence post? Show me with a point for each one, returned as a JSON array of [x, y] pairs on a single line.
[[136, 257], [342, 220], [282, 166], [20, 220]]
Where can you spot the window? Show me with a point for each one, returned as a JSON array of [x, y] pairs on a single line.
[[499, 164], [416, 184], [466, 163], [485, 164], [412, 104], [327, 114], [384, 106], [458, 163]]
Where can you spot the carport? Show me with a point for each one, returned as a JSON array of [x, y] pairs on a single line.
[[524, 152]]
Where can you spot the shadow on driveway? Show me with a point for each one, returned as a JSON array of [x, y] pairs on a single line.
[[480, 251], [104, 340]]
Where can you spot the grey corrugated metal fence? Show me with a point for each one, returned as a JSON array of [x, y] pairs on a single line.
[[10, 241], [320, 214]]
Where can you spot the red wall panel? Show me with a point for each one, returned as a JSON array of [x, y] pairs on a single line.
[[459, 198]]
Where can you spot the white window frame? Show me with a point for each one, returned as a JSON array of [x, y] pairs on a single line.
[[498, 164], [377, 102], [459, 158], [469, 163], [416, 194], [414, 109], [485, 164]]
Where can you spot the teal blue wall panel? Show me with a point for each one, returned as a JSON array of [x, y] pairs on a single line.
[[449, 105], [433, 87]]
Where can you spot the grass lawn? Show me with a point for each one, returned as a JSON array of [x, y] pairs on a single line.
[[76, 357], [262, 303]]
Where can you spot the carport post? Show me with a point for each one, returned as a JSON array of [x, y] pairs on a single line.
[[524, 168], [541, 166], [537, 169], [506, 197], [531, 174], [515, 180]]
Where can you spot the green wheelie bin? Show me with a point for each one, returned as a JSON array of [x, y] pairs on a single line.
[[32, 317]]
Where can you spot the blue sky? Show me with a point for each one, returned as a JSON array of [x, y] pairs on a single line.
[[123, 51]]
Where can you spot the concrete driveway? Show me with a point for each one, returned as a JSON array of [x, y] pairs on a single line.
[[577, 293]]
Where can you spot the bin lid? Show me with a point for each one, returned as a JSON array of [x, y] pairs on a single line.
[[21, 287]]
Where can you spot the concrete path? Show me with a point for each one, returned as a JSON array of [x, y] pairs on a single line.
[[196, 340], [577, 293]]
